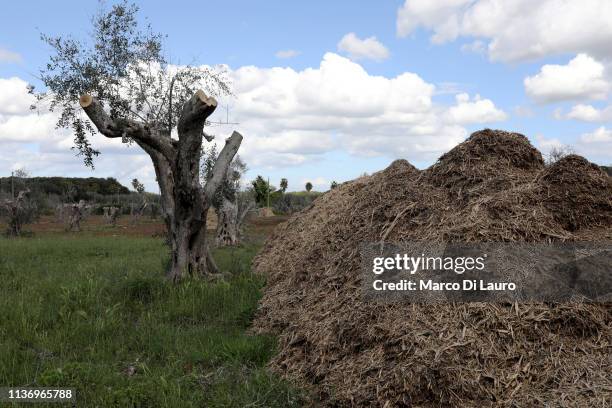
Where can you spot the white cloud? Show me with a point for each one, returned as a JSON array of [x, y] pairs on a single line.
[[9, 56], [445, 88], [523, 111], [296, 116], [29, 139], [588, 113], [477, 47], [14, 98], [368, 48], [284, 54], [28, 127], [582, 78], [547, 144], [316, 182], [599, 135], [597, 144], [477, 110], [287, 117], [440, 16], [515, 30]]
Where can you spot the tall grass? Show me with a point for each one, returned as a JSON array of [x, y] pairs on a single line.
[[96, 314]]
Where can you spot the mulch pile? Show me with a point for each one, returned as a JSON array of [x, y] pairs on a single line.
[[493, 187]]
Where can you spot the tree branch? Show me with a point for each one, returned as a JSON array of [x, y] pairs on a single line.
[[195, 112], [219, 171], [190, 132], [113, 128]]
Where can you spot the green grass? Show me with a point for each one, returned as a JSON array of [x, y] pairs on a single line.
[[85, 312]]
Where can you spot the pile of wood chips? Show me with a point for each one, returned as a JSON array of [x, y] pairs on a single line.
[[494, 187]]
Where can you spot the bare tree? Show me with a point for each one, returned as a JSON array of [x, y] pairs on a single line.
[[62, 211], [136, 211], [76, 213], [128, 91], [231, 217], [59, 212], [557, 153], [19, 211], [111, 214], [283, 185], [18, 180], [231, 206], [154, 211]]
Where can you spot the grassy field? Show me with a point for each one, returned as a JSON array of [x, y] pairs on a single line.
[[94, 313]]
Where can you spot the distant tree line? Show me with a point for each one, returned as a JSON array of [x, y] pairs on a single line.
[[76, 188], [281, 201]]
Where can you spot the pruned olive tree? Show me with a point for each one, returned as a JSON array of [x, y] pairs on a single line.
[[77, 213], [111, 214], [19, 211], [231, 207], [128, 91], [137, 210]]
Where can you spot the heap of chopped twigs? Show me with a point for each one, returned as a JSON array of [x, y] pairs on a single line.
[[493, 187]]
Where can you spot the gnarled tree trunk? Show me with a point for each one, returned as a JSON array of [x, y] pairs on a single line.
[[76, 215], [111, 214], [16, 210], [137, 212], [185, 202], [227, 227], [231, 216]]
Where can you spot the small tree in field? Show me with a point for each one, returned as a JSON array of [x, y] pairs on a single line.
[[283, 185], [18, 178], [138, 210], [333, 185], [231, 206], [111, 214], [261, 190], [308, 186], [138, 186], [76, 213], [18, 211], [123, 84]]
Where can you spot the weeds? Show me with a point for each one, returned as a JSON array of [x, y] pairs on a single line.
[[97, 315]]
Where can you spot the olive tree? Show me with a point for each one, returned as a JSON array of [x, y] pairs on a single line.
[[18, 211], [231, 206], [127, 90], [137, 210], [77, 213], [111, 213]]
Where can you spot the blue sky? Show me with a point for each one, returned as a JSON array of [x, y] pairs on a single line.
[[541, 70]]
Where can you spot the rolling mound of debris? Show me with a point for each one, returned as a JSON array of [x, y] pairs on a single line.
[[493, 187]]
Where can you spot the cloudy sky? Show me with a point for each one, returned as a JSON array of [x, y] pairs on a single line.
[[329, 90]]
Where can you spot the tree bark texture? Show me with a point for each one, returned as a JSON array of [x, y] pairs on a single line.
[[231, 216]]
